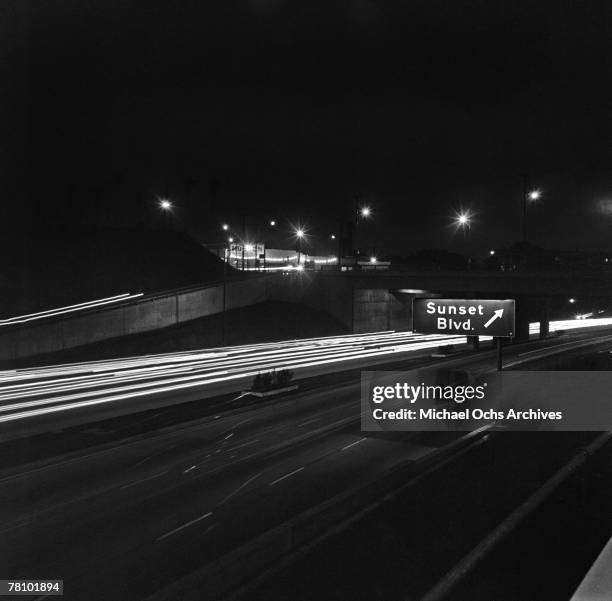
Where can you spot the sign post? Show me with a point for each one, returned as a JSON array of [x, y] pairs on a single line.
[[468, 317]]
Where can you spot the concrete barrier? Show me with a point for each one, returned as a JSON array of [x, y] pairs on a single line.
[[200, 303], [146, 314]]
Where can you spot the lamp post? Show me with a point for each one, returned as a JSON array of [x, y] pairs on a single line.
[[226, 251], [528, 196], [299, 234], [166, 207], [227, 254], [272, 224], [463, 220], [361, 214]]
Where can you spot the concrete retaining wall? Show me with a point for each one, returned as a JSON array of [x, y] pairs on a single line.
[[360, 304], [143, 315], [376, 310]]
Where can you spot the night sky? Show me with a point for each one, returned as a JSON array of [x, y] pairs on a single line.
[[290, 110]]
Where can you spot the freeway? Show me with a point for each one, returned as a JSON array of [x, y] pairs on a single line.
[[38, 399], [122, 520], [50, 396]]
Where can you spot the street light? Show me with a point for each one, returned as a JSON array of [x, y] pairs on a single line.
[[534, 195], [463, 219], [299, 233], [272, 223], [361, 214], [531, 195], [225, 227], [166, 207], [373, 259], [333, 236]]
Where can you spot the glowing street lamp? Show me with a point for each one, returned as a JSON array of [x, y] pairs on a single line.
[[528, 196], [463, 220], [534, 195], [166, 208], [365, 211], [373, 259], [225, 227], [333, 236], [272, 223], [299, 234]]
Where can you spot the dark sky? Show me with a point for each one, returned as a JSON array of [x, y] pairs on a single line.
[[290, 110]]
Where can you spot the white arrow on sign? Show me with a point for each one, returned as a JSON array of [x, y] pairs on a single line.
[[496, 315]]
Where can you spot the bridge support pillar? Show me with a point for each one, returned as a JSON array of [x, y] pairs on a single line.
[[524, 311], [545, 318], [530, 309]]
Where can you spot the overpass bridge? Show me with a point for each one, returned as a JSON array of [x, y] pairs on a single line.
[[379, 300], [364, 301]]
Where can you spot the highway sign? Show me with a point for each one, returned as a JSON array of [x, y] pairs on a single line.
[[470, 317]]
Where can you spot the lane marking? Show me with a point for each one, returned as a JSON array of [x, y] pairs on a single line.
[[189, 469], [244, 444], [229, 436], [299, 469], [148, 457], [348, 446], [144, 479], [186, 525], [240, 487], [309, 421]]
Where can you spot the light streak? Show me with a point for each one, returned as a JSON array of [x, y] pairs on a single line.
[[27, 393], [69, 309]]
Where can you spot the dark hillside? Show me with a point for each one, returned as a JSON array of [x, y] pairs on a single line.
[[63, 267]]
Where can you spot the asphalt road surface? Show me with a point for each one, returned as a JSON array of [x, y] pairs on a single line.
[[122, 520]]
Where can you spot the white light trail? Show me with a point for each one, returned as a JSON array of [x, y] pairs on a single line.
[[69, 309], [26, 393]]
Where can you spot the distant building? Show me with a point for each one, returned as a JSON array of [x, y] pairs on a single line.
[[256, 257]]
